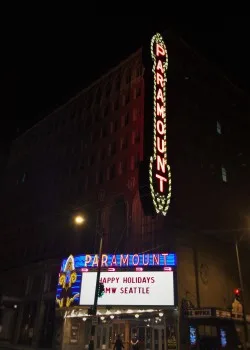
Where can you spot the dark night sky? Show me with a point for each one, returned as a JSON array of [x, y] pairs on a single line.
[[45, 68]]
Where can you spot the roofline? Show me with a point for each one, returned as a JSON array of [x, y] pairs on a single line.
[[68, 102], [216, 67]]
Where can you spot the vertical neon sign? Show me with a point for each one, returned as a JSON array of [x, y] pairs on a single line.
[[159, 170]]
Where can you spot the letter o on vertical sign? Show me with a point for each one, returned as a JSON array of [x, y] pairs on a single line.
[[160, 127]]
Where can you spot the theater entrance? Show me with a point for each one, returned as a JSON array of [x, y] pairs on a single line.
[[149, 337], [106, 335]]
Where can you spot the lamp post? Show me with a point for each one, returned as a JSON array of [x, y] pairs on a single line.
[[242, 288], [91, 343]]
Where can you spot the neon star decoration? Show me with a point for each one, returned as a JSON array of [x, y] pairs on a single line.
[[159, 170]]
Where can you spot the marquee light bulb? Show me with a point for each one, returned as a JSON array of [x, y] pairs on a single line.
[[136, 316], [111, 316], [160, 314]]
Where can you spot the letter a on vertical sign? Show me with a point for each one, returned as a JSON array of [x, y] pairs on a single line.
[[159, 170]]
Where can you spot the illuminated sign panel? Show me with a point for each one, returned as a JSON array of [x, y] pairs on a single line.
[[124, 260], [159, 170], [129, 279], [130, 288]]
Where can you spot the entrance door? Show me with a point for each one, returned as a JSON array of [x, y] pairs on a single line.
[[103, 337], [158, 338]]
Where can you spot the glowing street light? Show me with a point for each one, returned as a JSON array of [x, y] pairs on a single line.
[[79, 220]]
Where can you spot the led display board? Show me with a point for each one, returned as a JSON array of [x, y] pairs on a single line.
[[130, 288]]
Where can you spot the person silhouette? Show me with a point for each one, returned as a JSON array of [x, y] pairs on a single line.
[[118, 343]]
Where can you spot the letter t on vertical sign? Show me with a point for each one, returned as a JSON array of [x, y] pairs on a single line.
[[159, 170]]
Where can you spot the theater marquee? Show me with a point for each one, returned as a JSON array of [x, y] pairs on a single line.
[[129, 279]]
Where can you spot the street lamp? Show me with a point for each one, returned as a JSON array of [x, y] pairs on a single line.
[[241, 287], [79, 220], [94, 309]]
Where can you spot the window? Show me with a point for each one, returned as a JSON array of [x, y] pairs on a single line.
[[118, 82], [116, 104], [98, 95], [218, 127], [82, 164], [126, 98], [137, 92], [115, 125], [224, 174], [112, 172], [113, 148], [104, 131], [99, 178], [103, 153], [108, 89], [124, 142], [132, 163], [125, 119], [91, 159], [128, 76], [138, 71], [86, 183], [122, 166], [137, 159], [105, 111], [136, 114], [135, 137]]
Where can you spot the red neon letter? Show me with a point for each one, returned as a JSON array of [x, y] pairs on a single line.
[[159, 50], [159, 110], [161, 164], [156, 259], [95, 261], [165, 257], [159, 79], [160, 66], [162, 179], [143, 258], [104, 260], [160, 147], [113, 262], [87, 259], [133, 259], [160, 127], [124, 260], [159, 95]]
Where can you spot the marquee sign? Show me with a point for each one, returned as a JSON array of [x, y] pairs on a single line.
[[130, 288], [123, 260], [159, 170], [129, 279]]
